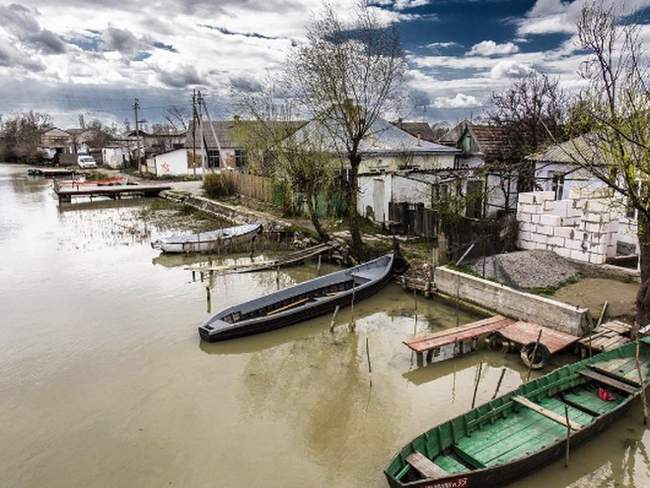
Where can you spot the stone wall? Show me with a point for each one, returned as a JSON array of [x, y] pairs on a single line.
[[510, 302], [583, 227]]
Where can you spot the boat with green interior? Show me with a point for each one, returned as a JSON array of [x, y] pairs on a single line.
[[517, 433]]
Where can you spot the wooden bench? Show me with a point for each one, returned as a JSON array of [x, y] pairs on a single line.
[[425, 466], [615, 375], [560, 419], [606, 380]]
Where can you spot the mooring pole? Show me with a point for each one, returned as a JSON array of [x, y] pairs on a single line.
[[369, 362], [208, 299], [319, 263], [476, 383], [496, 392], [641, 380], [332, 322], [532, 361], [352, 324], [568, 436]]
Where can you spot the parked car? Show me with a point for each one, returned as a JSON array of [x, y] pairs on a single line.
[[86, 161]]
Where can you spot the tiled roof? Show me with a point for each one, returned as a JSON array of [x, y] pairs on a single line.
[[577, 148], [421, 129], [383, 138], [491, 140], [225, 132]]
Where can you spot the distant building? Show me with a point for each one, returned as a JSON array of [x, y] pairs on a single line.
[[55, 142], [421, 130]]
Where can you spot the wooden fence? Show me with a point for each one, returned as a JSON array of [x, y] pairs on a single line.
[[252, 186], [414, 219]]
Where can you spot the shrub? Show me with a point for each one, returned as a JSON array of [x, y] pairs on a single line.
[[219, 185]]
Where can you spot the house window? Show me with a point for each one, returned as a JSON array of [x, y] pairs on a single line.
[[240, 158], [557, 185], [213, 158]]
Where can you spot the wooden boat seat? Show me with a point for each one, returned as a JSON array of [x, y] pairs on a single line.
[[616, 375], [425, 466], [606, 380], [560, 419]]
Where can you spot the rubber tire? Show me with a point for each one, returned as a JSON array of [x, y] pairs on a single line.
[[498, 343], [543, 355]]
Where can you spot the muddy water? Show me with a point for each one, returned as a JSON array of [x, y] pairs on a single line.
[[104, 382]]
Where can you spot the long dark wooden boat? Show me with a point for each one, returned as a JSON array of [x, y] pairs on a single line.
[[521, 431], [300, 302]]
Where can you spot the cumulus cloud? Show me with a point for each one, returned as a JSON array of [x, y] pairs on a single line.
[[509, 69], [20, 22], [491, 48], [459, 101], [245, 84], [183, 77]]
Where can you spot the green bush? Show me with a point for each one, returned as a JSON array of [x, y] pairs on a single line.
[[219, 185]]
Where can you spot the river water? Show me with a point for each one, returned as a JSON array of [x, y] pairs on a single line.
[[105, 383]]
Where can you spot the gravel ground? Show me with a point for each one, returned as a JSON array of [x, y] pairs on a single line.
[[527, 269]]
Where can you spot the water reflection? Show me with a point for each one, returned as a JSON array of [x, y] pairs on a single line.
[[105, 382]]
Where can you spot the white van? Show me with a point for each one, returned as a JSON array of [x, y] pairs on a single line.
[[86, 161]]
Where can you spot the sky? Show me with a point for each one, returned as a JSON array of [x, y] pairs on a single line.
[[93, 57]]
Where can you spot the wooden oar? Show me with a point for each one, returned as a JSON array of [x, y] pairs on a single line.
[[290, 305]]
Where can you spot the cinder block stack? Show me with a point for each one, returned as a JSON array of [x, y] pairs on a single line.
[[583, 227]]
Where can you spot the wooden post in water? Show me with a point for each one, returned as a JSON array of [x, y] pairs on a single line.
[[476, 383], [530, 368], [333, 321], [277, 277], [641, 381], [369, 363], [193, 275], [496, 392], [352, 323], [319, 263], [568, 436], [208, 299]]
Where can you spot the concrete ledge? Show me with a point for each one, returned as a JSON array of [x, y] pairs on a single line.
[[234, 214], [510, 302]]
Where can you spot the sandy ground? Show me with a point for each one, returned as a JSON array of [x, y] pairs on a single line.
[[593, 292]]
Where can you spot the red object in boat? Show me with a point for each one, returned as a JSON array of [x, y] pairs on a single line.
[[604, 395]]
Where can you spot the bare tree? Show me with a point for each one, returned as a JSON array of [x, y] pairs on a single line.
[[347, 75], [611, 121], [20, 136], [532, 111], [273, 148], [177, 117]]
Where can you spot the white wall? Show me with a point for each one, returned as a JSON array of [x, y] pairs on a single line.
[[173, 163], [576, 179], [393, 163], [112, 156]]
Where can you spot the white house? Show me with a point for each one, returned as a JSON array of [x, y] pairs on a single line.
[[116, 155], [176, 162]]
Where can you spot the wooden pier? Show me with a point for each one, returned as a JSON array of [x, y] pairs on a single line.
[[290, 259], [605, 337], [449, 343], [115, 192], [52, 172], [504, 335]]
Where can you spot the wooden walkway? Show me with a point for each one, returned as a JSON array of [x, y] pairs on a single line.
[[449, 343], [115, 192], [288, 260], [605, 337], [52, 172], [521, 333]]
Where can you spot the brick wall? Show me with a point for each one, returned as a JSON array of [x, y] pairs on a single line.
[[583, 227]]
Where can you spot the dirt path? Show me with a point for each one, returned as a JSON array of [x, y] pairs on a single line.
[[593, 292]]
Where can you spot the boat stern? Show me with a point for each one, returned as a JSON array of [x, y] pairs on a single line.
[[212, 331]]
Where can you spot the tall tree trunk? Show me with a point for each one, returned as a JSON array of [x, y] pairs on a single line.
[[313, 215], [353, 216], [643, 297]]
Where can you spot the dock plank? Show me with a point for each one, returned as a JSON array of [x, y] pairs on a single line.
[[457, 334], [522, 333]]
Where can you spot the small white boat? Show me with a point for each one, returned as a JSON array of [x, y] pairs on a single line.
[[207, 241]]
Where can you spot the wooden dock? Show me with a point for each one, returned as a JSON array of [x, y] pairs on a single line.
[[521, 333], [449, 343], [290, 259], [605, 337], [115, 192], [52, 172]]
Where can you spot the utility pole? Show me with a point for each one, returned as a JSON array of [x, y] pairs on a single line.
[[194, 132], [136, 107], [214, 135], [204, 164]]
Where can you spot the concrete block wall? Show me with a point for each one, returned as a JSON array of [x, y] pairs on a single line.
[[510, 302], [583, 227]]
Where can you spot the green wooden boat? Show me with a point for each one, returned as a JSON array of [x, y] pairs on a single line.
[[525, 429]]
